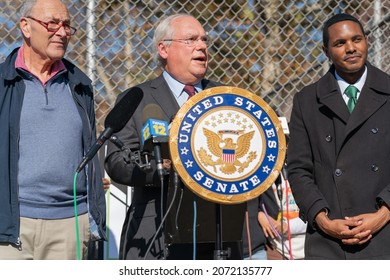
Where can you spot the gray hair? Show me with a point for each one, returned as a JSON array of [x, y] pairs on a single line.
[[163, 31], [28, 5], [26, 8]]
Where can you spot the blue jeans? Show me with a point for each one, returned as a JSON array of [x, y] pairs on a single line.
[[258, 255]]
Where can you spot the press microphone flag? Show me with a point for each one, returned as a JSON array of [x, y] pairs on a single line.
[[115, 121], [155, 130], [154, 133]]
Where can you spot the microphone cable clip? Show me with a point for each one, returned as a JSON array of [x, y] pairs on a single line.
[[139, 158]]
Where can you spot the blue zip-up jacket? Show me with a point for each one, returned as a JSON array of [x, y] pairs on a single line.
[[12, 90]]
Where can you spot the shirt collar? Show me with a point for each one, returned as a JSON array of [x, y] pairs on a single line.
[[176, 86], [359, 84], [57, 66]]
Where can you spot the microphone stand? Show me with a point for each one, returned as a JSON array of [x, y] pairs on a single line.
[[219, 253], [279, 191], [139, 158]]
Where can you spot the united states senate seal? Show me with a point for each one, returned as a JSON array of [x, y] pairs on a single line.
[[227, 145]]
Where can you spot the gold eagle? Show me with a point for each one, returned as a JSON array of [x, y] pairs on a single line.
[[216, 144]]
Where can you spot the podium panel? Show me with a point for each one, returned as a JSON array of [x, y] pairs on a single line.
[[180, 222]]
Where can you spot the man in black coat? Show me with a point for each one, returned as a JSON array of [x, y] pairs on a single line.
[[338, 155]]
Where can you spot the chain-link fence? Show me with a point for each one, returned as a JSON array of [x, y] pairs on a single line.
[[269, 47]]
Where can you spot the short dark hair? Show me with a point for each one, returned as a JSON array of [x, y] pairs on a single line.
[[335, 19]]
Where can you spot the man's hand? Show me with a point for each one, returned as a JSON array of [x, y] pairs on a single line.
[[349, 231], [265, 225], [269, 225], [371, 222], [278, 227], [167, 164], [106, 184]]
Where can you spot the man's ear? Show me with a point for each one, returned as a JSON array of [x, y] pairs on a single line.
[[162, 50], [25, 27], [325, 50]]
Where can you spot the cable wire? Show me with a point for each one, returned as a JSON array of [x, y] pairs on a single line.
[[279, 190], [178, 210], [162, 209], [162, 223], [194, 231], [76, 217], [288, 219], [273, 228], [248, 233]]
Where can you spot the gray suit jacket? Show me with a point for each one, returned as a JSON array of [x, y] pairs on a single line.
[[144, 215], [341, 161]]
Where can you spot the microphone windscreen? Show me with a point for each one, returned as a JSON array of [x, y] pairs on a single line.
[[152, 111], [124, 109]]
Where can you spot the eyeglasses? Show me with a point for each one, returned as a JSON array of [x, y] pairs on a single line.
[[189, 41], [53, 26]]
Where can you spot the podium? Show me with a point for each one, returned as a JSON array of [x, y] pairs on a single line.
[[179, 227]]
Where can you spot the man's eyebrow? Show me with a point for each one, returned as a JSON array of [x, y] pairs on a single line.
[[340, 40], [56, 19]]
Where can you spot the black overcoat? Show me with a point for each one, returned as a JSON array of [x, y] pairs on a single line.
[[341, 161]]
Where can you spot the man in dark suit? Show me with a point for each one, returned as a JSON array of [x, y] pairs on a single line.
[[181, 44], [338, 155]]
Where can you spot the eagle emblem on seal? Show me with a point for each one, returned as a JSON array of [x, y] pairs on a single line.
[[226, 152]]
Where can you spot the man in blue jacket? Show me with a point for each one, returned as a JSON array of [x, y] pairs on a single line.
[[47, 121]]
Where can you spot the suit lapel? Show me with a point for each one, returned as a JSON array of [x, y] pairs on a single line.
[[333, 105], [329, 95], [209, 84], [163, 96], [161, 92], [368, 103], [369, 100]]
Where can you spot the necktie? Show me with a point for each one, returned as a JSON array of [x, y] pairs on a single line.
[[190, 90], [351, 92]]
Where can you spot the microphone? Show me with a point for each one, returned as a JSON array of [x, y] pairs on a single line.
[[154, 133], [115, 121], [117, 142]]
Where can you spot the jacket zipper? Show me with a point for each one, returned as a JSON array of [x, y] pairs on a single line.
[[18, 241], [47, 99]]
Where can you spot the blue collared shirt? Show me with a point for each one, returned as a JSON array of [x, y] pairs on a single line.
[[177, 87]]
